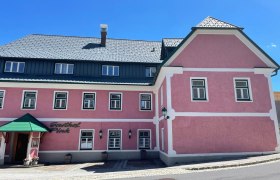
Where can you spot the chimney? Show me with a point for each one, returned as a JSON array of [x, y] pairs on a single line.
[[104, 28]]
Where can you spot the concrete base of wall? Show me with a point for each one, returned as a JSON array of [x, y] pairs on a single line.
[[170, 161], [1, 161], [86, 156]]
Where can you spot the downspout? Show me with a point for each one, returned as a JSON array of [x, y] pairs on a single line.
[[275, 72]]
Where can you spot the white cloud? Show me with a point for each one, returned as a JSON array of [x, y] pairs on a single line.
[[273, 45]]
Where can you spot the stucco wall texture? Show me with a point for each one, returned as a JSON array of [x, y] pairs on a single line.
[[223, 134], [44, 109]]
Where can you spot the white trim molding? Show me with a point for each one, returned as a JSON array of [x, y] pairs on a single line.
[[3, 101], [249, 87], [224, 114], [83, 95], [108, 134], [206, 89], [93, 138], [22, 99], [67, 100], [150, 138]]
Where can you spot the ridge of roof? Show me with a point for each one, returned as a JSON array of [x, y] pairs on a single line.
[[121, 39], [211, 22]]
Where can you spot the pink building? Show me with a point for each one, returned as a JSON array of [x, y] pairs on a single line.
[[204, 96]]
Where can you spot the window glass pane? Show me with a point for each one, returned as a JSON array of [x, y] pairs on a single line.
[[245, 93], [8, 66], [70, 68], [194, 93], [57, 68], [1, 93], [115, 96], [21, 67], [104, 70], [14, 67], [201, 93], [198, 82], [116, 70], [145, 96], [241, 84], [148, 74], [238, 93], [61, 95], [64, 69], [110, 70]]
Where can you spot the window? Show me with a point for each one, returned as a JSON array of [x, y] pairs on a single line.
[[86, 141], [242, 92], [145, 102], [114, 142], [62, 68], [115, 101], [144, 141], [198, 89], [60, 100], [2, 99], [14, 67], [108, 70], [151, 71], [88, 100], [29, 100]]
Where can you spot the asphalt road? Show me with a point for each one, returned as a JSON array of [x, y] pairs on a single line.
[[267, 171]]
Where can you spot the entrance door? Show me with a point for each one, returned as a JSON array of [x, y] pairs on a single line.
[[21, 148]]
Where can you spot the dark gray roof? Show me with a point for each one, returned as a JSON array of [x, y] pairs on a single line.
[[211, 22], [172, 42], [83, 48]]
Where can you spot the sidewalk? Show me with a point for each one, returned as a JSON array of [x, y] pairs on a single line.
[[122, 169]]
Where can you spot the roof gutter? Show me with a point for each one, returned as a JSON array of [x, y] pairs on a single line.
[[275, 72]]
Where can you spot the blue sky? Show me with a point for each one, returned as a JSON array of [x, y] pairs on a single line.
[[140, 19]]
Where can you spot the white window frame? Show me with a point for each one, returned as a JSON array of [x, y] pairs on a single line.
[[141, 100], [108, 137], [3, 100], [80, 136], [150, 71], [138, 133], [67, 99], [11, 68], [249, 87], [206, 89], [82, 107], [162, 139], [107, 70], [109, 107], [22, 99], [60, 69]]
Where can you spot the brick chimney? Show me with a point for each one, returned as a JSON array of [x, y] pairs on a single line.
[[104, 28]]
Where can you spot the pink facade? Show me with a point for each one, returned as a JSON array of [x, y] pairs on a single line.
[[221, 96], [217, 51], [219, 123], [44, 107], [223, 134], [51, 142]]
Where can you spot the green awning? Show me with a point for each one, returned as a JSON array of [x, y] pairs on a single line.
[[26, 123]]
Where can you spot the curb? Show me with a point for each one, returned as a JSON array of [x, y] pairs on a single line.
[[232, 165]]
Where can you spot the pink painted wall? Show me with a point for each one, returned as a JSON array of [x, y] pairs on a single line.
[[163, 124], [220, 93], [217, 51], [63, 141], [130, 107], [223, 134]]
